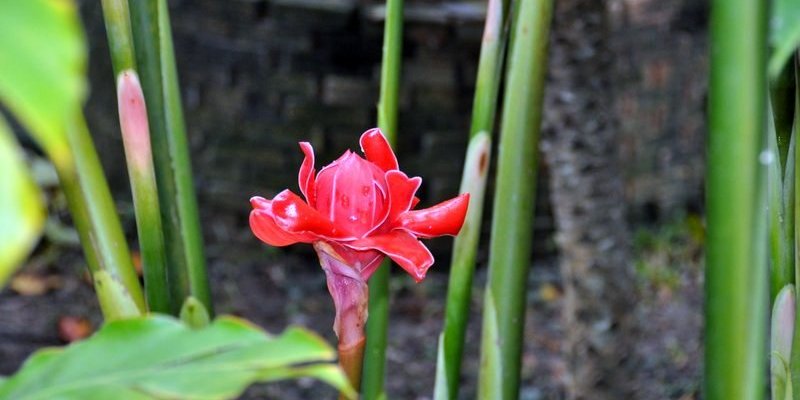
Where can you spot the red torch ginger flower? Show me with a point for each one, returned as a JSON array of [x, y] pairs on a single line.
[[356, 212]]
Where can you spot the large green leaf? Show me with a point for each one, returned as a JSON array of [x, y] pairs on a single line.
[[42, 66], [784, 35], [159, 357], [21, 210]]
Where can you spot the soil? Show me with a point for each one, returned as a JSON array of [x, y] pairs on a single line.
[[274, 290]]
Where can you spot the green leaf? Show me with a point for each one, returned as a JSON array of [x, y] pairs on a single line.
[[784, 35], [160, 357], [21, 209], [42, 66]]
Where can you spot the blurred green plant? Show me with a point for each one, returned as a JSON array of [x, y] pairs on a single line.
[[42, 82]]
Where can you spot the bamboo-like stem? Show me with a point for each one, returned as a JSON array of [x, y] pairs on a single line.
[[120, 38], [736, 275], [512, 230], [372, 382], [186, 203], [139, 157], [473, 181], [96, 219], [182, 236], [141, 172]]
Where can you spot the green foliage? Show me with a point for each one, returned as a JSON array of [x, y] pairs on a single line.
[[21, 208], [42, 67], [159, 357]]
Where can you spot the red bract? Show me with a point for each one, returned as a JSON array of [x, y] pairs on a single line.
[[361, 209]]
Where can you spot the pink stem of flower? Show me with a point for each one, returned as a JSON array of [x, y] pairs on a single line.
[[350, 294]]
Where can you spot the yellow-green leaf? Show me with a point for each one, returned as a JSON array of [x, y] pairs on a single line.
[[21, 209], [42, 66]]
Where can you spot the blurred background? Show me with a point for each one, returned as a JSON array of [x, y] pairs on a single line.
[[258, 76]]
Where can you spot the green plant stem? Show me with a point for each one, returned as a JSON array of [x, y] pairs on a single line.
[[372, 380], [95, 217], [473, 181], [182, 235], [142, 177], [186, 205], [512, 230], [120, 39], [736, 276]]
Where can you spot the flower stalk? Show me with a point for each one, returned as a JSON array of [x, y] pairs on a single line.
[[512, 230], [377, 326]]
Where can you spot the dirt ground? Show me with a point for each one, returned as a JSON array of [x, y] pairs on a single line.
[[275, 290]]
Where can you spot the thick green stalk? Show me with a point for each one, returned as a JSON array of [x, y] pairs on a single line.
[[186, 205], [736, 276], [120, 39], [96, 220], [512, 228], [182, 236], [136, 137], [372, 379], [473, 181], [139, 158]]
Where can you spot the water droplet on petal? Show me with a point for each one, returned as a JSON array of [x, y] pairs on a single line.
[[353, 218]]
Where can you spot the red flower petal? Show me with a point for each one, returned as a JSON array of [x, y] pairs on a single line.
[[445, 218], [294, 215], [352, 194], [263, 225], [402, 247], [305, 178], [377, 149], [401, 193]]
